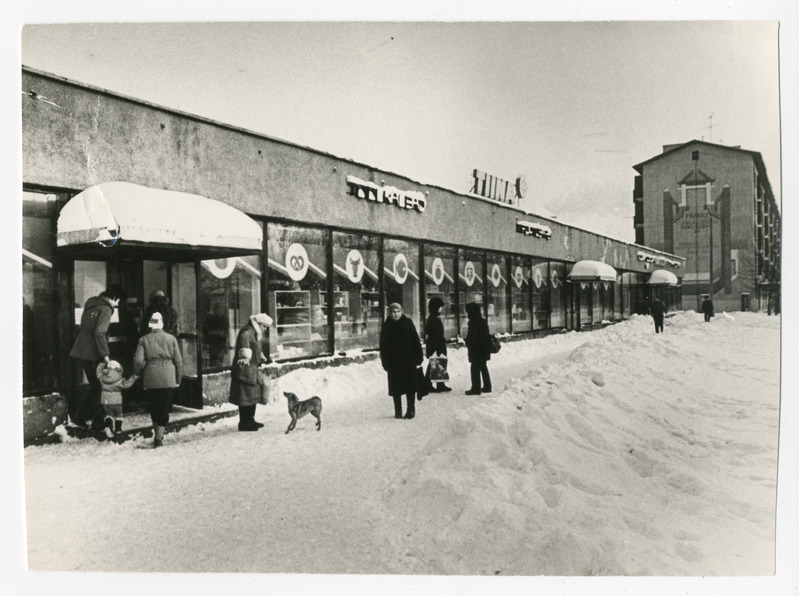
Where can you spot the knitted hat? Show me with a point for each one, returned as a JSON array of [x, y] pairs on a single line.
[[394, 305], [156, 321], [262, 319]]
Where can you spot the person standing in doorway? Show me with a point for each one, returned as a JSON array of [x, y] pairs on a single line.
[[400, 355], [658, 313], [245, 377], [478, 346], [434, 341], [91, 349], [160, 303], [159, 363], [707, 308]]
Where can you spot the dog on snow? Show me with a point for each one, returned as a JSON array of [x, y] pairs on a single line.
[[298, 409]]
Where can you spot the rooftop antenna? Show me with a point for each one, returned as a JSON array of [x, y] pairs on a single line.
[[710, 128]]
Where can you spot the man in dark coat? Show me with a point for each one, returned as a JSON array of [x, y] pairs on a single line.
[[707, 308], [160, 303], [478, 345], [400, 355], [90, 349], [435, 342], [658, 313]]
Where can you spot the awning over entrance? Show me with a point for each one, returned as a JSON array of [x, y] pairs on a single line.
[[145, 220], [592, 271], [661, 277]]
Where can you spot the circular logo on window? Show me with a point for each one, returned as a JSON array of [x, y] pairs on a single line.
[[354, 266], [469, 273], [297, 262], [221, 268], [496, 275], [438, 271], [554, 277], [400, 268], [538, 278], [518, 276]]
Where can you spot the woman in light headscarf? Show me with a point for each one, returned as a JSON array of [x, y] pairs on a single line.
[[245, 379], [400, 355]]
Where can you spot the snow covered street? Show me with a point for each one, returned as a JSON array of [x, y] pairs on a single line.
[[617, 452]]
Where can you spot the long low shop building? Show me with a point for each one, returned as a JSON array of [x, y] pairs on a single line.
[[229, 222]]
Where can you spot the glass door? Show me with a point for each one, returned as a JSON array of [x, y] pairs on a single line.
[[183, 291]]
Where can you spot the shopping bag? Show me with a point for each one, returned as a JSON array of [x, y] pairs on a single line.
[[265, 386], [494, 345], [437, 368]]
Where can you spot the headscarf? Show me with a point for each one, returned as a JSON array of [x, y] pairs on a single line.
[[394, 305]]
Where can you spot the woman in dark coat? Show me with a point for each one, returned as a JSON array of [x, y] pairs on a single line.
[[400, 355], [478, 345], [434, 341], [245, 379]]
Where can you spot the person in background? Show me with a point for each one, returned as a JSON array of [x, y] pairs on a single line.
[[160, 303], [478, 346], [434, 342], [707, 308], [90, 349], [658, 313], [215, 335], [400, 355], [245, 377], [113, 381], [159, 363]]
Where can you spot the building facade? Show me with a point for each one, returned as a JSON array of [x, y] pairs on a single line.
[[116, 190], [713, 205]]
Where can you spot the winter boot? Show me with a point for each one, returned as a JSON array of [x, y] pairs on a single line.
[[397, 406], [117, 427], [109, 427], [158, 439], [253, 421], [411, 411]]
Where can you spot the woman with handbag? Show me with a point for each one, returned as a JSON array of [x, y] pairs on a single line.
[[401, 356], [245, 376], [435, 342], [478, 346]]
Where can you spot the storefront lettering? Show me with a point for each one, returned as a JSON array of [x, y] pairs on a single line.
[[658, 260], [404, 199], [529, 228]]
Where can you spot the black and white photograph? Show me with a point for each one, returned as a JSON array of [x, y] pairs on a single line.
[[457, 297]]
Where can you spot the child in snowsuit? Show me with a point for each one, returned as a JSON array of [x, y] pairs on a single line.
[[113, 381]]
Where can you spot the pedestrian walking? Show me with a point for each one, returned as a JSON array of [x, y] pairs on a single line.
[[245, 376], [113, 381], [158, 361], [435, 343], [478, 346], [401, 355], [91, 349], [707, 308], [658, 313]]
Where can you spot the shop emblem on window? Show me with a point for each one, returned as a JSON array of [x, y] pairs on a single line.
[[518, 277], [496, 275], [221, 268], [554, 277], [469, 273], [297, 262], [538, 278], [438, 271], [354, 266], [400, 268]]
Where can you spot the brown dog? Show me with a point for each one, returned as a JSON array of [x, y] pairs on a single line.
[[298, 409]]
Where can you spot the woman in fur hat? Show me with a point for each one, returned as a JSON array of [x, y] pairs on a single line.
[[245, 379], [400, 355], [159, 363], [435, 342]]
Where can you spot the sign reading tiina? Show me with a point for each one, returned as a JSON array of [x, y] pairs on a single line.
[[404, 199]]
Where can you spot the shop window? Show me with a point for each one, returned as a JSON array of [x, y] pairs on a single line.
[[496, 309], [439, 276], [557, 294], [39, 295], [471, 278], [401, 277], [521, 284], [356, 297], [597, 302], [585, 292], [541, 294], [229, 293], [297, 282]]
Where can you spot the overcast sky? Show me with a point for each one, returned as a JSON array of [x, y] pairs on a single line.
[[572, 106]]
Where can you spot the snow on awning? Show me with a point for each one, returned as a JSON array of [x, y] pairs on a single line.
[[125, 214], [592, 271], [661, 277]]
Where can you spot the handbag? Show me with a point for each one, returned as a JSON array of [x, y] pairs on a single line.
[[493, 344], [422, 383]]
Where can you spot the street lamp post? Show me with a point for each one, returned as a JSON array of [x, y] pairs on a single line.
[[695, 158]]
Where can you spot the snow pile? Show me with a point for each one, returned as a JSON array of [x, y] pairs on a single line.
[[640, 454]]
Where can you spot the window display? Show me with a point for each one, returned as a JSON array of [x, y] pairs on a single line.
[[557, 293], [521, 292], [439, 276], [496, 310], [541, 294], [471, 276], [401, 277]]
